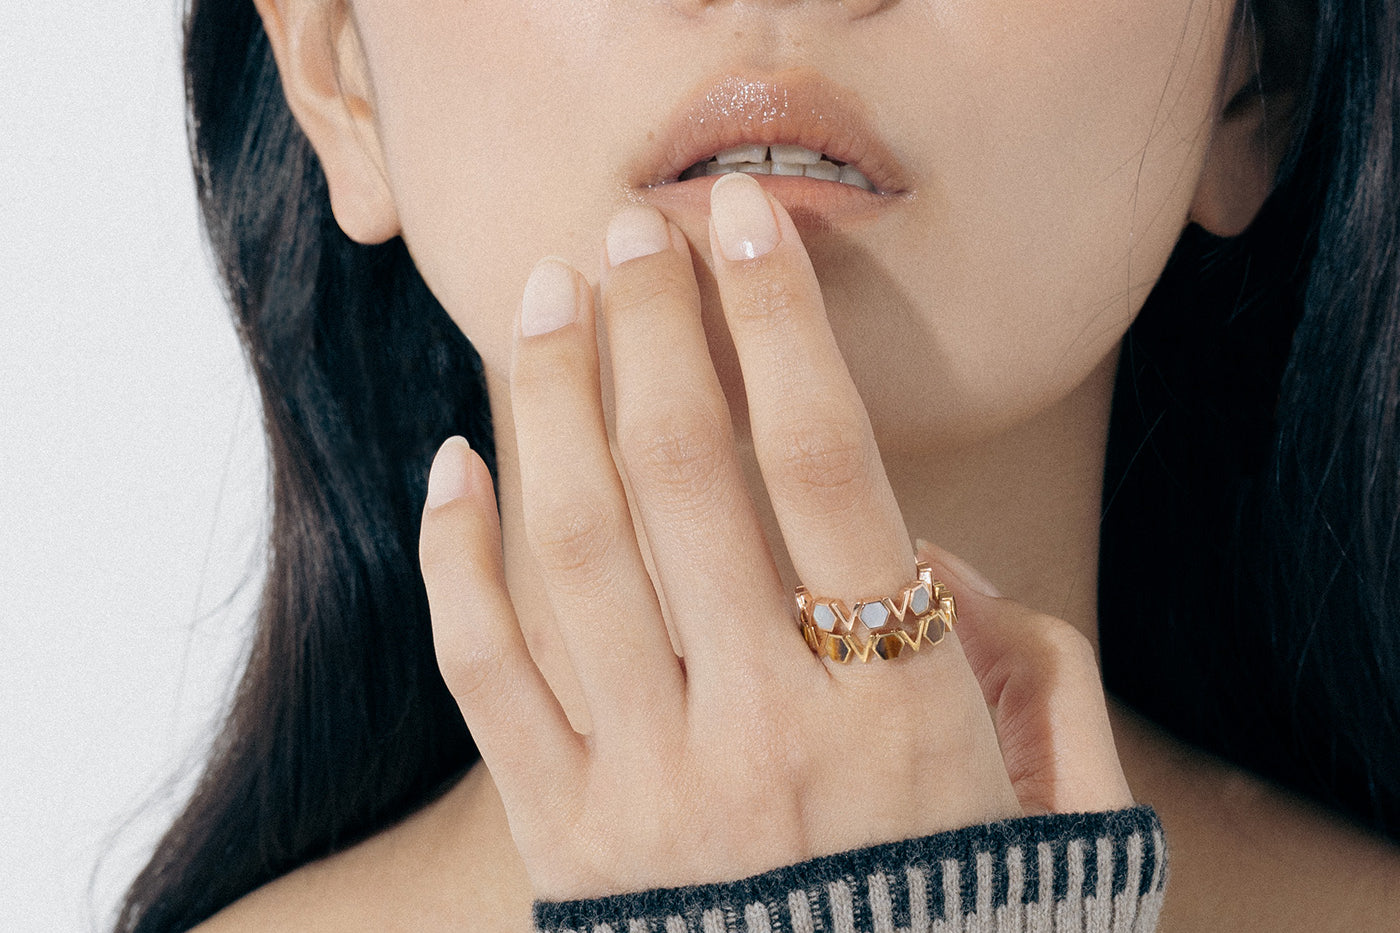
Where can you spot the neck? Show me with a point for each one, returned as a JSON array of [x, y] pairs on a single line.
[[1023, 507]]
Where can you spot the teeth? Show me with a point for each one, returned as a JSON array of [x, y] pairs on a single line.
[[778, 160], [850, 176], [795, 154], [744, 153]]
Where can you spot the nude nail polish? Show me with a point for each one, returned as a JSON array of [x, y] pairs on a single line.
[[450, 476], [550, 300], [635, 232], [744, 223]]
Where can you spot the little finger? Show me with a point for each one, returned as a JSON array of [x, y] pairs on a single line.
[[514, 717]]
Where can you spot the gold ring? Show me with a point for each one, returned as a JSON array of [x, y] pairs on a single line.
[[920, 616]]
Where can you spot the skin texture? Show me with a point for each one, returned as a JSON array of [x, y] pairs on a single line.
[[1054, 155]]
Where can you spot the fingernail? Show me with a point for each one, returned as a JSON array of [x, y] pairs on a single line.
[[551, 300], [744, 222], [636, 231], [960, 567], [450, 477]]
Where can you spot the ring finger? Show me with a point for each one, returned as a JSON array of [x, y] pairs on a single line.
[[833, 501]]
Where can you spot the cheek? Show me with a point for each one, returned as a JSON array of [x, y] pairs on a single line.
[[1055, 147], [476, 122], [1070, 138]]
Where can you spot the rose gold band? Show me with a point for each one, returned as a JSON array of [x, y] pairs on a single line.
[[883, 627]]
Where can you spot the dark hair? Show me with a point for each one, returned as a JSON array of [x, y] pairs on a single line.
[[1249, 587], [341, 723], [1250, 488]]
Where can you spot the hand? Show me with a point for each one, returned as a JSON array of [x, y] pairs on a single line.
[[752, 753]]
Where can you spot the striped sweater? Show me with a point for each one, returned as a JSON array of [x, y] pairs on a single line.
[[1085, 872]]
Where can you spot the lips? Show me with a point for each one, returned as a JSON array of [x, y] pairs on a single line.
[[798, 107]]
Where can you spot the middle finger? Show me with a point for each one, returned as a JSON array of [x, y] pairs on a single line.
[[811, 434]]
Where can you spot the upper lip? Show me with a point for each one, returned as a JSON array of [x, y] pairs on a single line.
[[795, 108]]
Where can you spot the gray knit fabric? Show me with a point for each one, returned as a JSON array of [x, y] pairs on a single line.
[[1086, 873]]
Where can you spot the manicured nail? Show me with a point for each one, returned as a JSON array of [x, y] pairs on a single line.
[[450, 477], [960, 567], [636, 231], [551, 299], [744, 222]]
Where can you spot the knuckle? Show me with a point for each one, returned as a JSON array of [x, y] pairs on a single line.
[[645, 288], [773, 302], [532, 374], [439, 554], [1066, 646], [536, 372], [679, 451], [1036, 778], [572, 535], [472, 669], [825, 464], [453, 546], [1061, 654]]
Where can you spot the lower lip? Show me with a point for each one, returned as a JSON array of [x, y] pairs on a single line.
[[813, 204]]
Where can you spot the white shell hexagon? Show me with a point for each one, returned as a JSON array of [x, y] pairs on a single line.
[[874, 615]]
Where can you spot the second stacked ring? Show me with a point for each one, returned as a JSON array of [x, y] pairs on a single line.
[[920, 616]]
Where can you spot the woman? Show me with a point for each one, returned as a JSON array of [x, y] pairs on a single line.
[[932, 341]]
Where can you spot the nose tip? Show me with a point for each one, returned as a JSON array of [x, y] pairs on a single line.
[[860, 8], [855, 8]]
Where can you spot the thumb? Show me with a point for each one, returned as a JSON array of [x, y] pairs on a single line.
[[1041, 681]]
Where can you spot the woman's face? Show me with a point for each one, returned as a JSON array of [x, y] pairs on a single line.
[[1047, 156]]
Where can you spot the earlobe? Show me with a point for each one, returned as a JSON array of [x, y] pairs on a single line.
[[1253, 127], [326, 82]]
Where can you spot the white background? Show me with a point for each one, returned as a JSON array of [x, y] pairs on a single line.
[[132, 486]]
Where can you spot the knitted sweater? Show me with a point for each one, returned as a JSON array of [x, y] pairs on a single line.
[[1085, 872]]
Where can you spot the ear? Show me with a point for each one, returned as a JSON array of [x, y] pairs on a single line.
[[326, 81], [1253, 128]]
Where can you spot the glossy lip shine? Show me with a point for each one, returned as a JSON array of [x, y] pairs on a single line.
[[798, 107]]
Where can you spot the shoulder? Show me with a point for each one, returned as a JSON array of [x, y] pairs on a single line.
[[452, 859], [1248, 855], [316, 897]]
